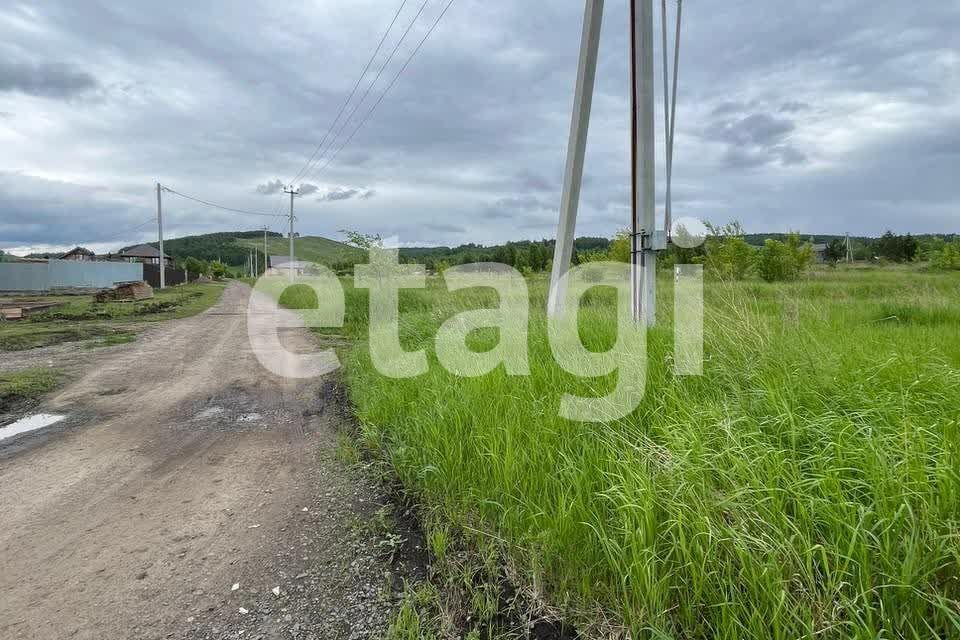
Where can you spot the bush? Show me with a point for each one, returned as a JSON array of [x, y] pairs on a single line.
[[728, 256], [195, 266], [947, 258], [779, 261], [218, 270]]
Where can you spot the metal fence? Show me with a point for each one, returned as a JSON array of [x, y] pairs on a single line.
[[171, 276], [66, 274]]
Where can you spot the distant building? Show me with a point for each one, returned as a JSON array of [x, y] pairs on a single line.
[[819, 253], [81, 254], [282, 264], [143, 253]]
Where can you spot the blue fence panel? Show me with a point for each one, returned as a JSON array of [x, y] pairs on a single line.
[[66, 274], [23, 276]]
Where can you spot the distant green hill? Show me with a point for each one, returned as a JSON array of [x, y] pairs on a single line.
[[233, 247], [310, 248]]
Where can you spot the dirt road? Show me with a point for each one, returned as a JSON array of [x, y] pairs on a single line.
[[184, 469]]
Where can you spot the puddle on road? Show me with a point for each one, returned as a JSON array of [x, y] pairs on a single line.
[[30, 423]]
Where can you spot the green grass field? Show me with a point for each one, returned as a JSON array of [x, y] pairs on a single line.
[[309, 248], [807, 486]]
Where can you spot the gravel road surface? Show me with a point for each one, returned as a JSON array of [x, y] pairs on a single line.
[[189, 493]]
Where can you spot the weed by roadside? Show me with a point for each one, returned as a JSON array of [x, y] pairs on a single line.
[[21, 389]]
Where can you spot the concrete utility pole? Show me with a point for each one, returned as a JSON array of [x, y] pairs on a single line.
[[163, 281], [266, 261], [646, 240], [293, 192], [849, 250], [576, 149]]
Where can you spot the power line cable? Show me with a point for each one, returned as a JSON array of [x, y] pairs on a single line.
[[139, 226], [218, 206], [343, 106], [366, 92], [387, 90]]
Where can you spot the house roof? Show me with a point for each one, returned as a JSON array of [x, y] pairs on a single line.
[[78, 251], [819, 247], [141, 251], [277, 261]]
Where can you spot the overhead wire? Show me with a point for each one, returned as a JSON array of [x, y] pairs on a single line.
[[387, 90], [316, 157], [137, 227], [370, 86], [353, 92], [218, 206]]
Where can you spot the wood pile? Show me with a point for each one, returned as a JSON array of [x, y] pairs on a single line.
[[138, 290]]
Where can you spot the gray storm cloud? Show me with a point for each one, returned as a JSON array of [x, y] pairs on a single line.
[[45, 79], [789, 116]]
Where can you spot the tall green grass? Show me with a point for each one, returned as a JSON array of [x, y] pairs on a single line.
[[806, 486]]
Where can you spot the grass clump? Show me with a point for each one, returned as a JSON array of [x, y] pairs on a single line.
[[807, 486], [25, 387]]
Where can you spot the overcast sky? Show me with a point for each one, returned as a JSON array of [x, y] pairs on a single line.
[[822, 117]]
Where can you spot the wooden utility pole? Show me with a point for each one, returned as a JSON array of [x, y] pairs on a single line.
[[163, 281]]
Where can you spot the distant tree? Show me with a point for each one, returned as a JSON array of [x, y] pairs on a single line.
[[594, 255], [363, 240], [931, 246], [619, 249], [773, 261], [836, 250], [909, 248], [193, 265], [218, 270], [589, 243], [897, 248], [503, 254], [537, 256], [520, 260]]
